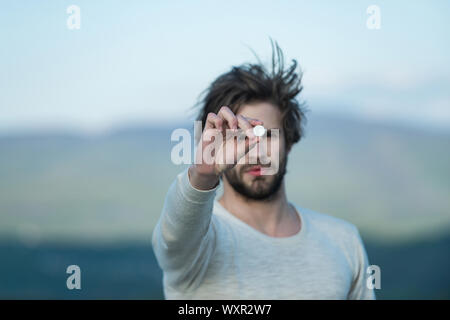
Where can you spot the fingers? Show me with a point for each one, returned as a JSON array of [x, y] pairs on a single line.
[[213, 121], [243, 122], [231, 120], [255, 122], [228, 116], [245, 125], [224, 147], [225, 119]]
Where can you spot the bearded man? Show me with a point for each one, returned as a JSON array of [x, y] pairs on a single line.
[[251, 242]]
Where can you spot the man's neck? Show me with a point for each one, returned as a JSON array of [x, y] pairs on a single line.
[[274, 216]]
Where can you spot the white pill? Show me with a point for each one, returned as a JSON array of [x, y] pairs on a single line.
[[259, 131]]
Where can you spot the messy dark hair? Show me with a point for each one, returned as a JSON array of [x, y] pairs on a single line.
[[249, 83]]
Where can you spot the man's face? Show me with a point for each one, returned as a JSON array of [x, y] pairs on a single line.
[[247, 179]]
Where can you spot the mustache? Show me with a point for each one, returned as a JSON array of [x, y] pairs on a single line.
[[248, 167]]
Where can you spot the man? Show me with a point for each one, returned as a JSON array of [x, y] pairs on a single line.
[[252, 243]]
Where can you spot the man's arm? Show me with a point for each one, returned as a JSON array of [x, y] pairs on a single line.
[[359, 289], [183, 239]]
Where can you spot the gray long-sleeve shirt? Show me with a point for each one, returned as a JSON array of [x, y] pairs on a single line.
[[207, 253]]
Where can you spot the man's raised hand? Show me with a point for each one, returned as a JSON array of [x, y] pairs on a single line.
[[225, 139]]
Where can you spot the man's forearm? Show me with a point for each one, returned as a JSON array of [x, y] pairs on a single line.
[[184, 221], [202, 181]]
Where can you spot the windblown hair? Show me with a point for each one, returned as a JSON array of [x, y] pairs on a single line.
[[250, 83]]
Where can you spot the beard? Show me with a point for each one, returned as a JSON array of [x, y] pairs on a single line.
[[261, 188]]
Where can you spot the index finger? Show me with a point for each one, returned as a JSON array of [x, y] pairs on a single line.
[[228, 115]]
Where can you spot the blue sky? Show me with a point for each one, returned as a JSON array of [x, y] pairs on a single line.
[[147, 61]]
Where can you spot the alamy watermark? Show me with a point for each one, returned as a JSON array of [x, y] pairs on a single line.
[[374, 279], [74, 280], [374, 20], [74, 20]]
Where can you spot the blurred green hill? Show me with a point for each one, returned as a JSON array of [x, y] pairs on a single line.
[[393, 183], [105, 190]]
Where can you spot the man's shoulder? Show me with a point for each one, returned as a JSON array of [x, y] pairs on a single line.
[[326, 223]]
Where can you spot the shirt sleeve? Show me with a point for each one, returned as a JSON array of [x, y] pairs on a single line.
[[184, 237], [359, 289]]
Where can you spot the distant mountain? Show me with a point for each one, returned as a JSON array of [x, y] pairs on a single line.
[[392, 182], [95, 200]]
